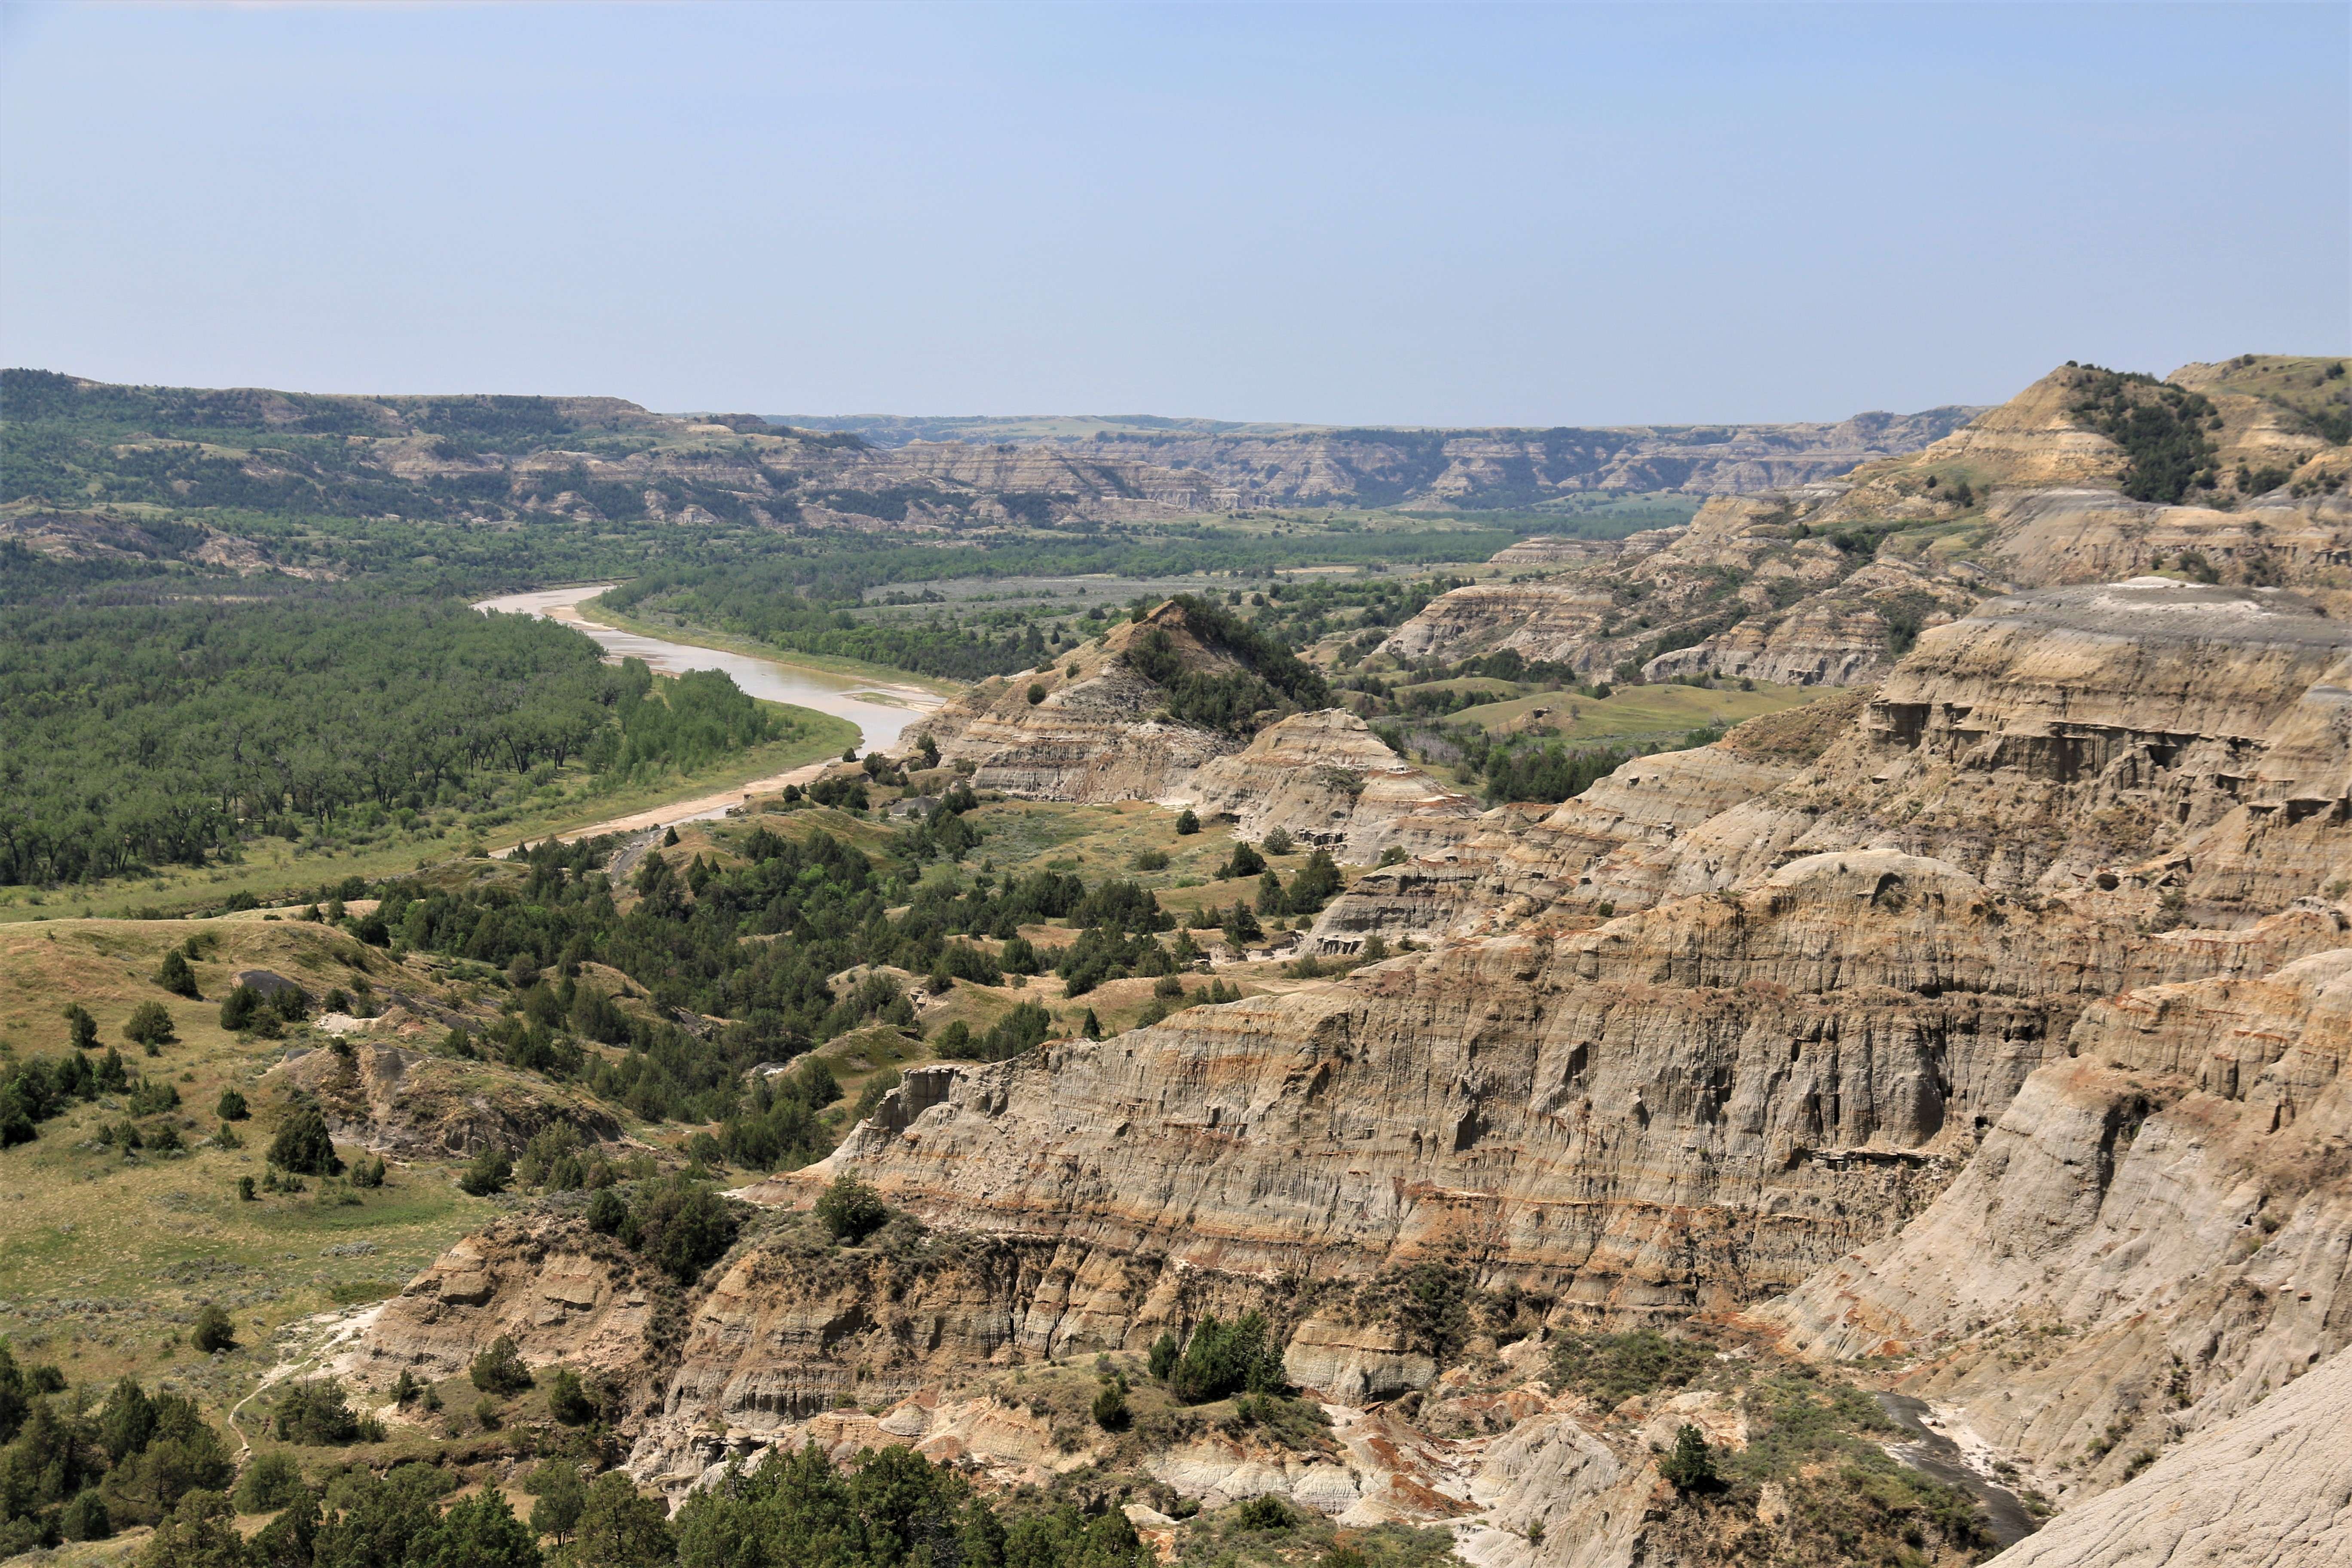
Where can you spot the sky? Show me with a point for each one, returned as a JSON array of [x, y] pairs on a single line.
[[1526, 214]]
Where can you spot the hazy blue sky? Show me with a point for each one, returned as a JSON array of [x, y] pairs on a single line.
[[1367, 214]]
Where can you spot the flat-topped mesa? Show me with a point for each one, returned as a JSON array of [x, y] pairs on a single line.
[[2188, 734], [2171, 1194], [1090, 726], [1325, 778]]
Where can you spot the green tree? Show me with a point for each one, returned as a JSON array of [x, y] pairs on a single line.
[[1188, 822], [200, 1533], [270, 1482], [241, 1008], [176, 976], [81, 1029], [487, 1173], [684, 1226], [86, 1517], [231, 1107], [302, 1145], [501, 1369], [1691, 1466], [1165, 1352], [562, 1495], [621, 1528], [478, 1531], [150, 1025], [1227, 1358], [567, 1400]]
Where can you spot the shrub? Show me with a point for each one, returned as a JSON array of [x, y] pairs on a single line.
[[176, 977], [315, 1412], [302, 1145], [489, 1173], [1612, 1368], [1037, 693], [1691, 1466], [1279, 842], [606, 1213], [244, 1190], [269, 1484], [1109, 1410], [683, 1227], [241, 1008], [212, 1332], [1151, 860], [231, 1106], [1222, 1359], [567, 1400], [850, 1210], [486, 1414], [367, 1171], [150, 1025], [1264, 1511], [499, 1369], [1188, 822]]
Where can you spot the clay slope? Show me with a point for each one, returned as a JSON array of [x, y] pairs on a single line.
[[1828, 583], [1750, 588], [1325, 778], [2270, 1489], [2156, 1236], [1100, 733]]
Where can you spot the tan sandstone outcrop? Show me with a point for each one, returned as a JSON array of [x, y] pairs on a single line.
[[1100, 735], [2156, 1233], [1325, 778]]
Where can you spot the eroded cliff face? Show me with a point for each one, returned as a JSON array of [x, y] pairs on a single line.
[[1829, 583], [1325, 778], [1691, 1107], [1101, 734], [2156, 1233], [2191, 746]]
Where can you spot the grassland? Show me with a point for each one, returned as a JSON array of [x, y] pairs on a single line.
[[107, 1255], [1630, 714]]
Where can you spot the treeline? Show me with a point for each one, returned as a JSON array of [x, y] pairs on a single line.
[[2161, 428], [761, 601], [888, 1508], [141, 734]]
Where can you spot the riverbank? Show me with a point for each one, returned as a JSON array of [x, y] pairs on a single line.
[[886, 681]]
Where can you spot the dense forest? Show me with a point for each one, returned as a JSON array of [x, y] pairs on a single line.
[[146, 732]]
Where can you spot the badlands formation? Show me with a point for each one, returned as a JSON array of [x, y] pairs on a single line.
[[1978, 1032]]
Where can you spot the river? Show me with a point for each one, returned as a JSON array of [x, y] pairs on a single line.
[[879, 711]]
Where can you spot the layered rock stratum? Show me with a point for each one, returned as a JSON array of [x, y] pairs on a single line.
[[1985, 1023]]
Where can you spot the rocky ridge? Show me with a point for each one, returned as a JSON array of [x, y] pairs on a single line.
[[1829, 583]]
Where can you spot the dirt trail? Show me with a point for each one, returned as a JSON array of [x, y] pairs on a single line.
[[676, 811]]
